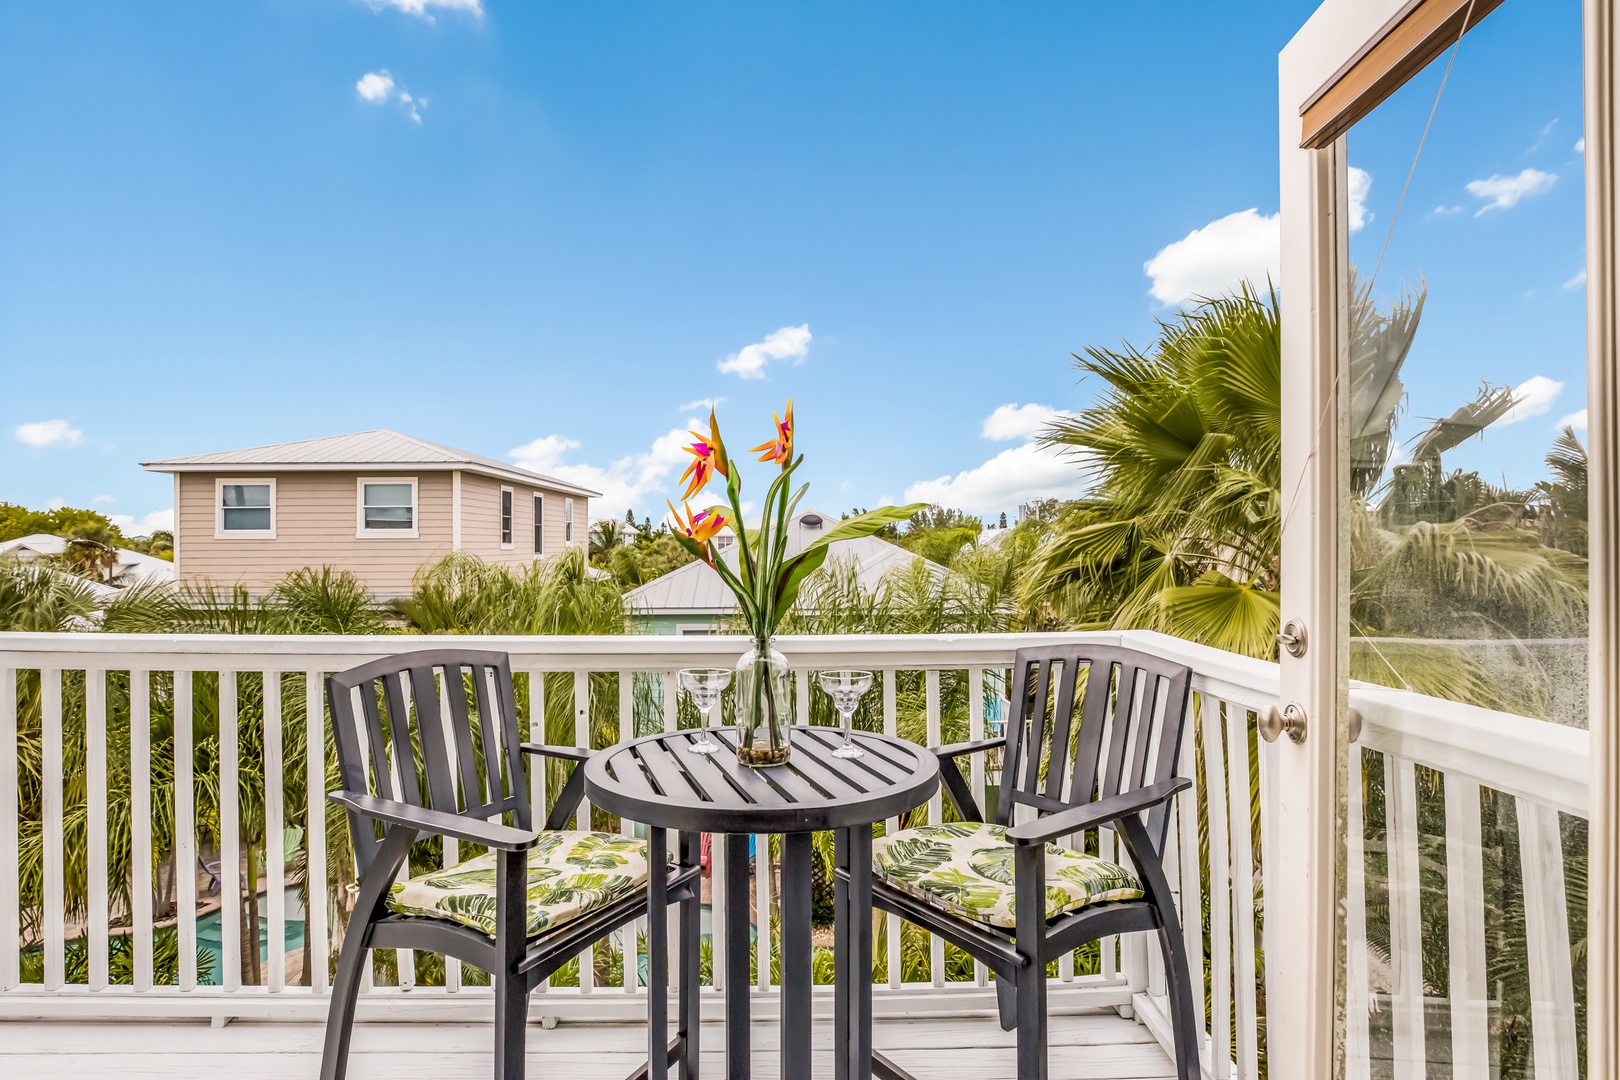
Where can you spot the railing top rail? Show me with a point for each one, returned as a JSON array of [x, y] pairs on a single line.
[[1533, 759], [560, 653]]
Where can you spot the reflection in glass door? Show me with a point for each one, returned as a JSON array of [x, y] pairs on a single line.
[[1466, 597]]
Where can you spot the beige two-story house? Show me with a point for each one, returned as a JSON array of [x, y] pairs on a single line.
[[378, 503]]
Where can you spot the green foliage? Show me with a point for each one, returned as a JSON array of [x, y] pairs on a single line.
[[120, 961], [460, 594], [17, 521], [35, 596], [648, 555]]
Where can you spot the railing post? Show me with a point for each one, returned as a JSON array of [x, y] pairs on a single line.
[[50, 687], [95, 822], [316, 887], [1405, 916], [140, 825], [10, 886], [1546, 921], [1465, 922]]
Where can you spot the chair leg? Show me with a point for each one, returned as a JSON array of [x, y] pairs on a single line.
[[1186, 1026], [511, 1025], [511, 985], [657, 955], [1029, 880], [691, 972], [1007, 1002], [1031, 1014], [340, 1014]]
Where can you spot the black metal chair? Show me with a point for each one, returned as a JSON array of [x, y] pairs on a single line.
[[419, 759], [1114, 769]]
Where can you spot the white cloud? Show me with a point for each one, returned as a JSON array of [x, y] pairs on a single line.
[[419, 8], [1504, 192], [155, 521], [102, 500], [1576, 420], [1019, 421], [788, 343], [1533, 397], [1014, 476], [1580, 145], [1360, 185], [49, 433], [702, 404], [376, 87], [1578, 281], [1445, 211], [56, 503], [1011, 477], [635, 481], [1206, 262], [543, 454]]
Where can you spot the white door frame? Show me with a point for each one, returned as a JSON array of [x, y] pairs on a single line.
[[1304, 921]]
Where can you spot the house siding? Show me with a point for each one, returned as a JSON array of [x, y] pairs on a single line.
[[315, 527], [481, 520]]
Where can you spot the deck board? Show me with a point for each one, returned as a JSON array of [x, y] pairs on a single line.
[[1089, 1046]]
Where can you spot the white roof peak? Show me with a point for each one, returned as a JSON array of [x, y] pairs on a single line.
[[378, 448]]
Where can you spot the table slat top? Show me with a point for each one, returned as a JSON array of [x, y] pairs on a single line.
[[659, 781]]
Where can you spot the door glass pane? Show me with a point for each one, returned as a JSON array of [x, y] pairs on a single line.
[[1466, 597]]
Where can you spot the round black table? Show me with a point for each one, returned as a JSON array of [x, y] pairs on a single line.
[[658, 781]]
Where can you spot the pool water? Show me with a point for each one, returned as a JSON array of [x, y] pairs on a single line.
[[209, 936]]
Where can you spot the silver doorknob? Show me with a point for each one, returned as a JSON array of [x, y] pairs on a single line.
[[1290, 718]]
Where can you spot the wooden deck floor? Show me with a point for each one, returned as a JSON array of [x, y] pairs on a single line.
[[1089, 1046]]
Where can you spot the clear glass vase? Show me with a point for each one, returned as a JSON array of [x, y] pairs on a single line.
[[764, 700]]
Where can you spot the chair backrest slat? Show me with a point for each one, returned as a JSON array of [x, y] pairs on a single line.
[[399, 724], [1131, 715], [371, 716], [388, 755], [430, 729], [1062, 722], [494, 746]]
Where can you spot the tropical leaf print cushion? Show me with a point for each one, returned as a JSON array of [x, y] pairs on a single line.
[[570, 873], [966, 868]]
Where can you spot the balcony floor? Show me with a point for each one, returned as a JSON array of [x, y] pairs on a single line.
[[1096, 1045]]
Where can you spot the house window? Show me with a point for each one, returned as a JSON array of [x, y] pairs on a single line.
[[568, 521], [387, 507], [246, 508], [506, 517], [539, 521]]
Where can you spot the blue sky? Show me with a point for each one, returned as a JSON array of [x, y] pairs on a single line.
[[540, 231]]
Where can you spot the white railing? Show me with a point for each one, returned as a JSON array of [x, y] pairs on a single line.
[[160, 682]]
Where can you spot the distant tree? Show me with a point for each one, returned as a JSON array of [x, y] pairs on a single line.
[[1003, 524], [605, 536], [17, 521]]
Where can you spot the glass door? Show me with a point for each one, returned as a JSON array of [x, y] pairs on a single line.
[[1447, 454]]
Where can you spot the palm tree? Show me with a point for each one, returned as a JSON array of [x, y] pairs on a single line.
[[606, 535], [36, 597], [1184, 447]]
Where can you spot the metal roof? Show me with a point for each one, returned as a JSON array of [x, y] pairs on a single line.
[[696, 589], [363, 449]]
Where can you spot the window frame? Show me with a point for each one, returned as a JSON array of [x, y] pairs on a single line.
[[222, 533], [508, 516], [539, 523], [363, 533], [568, 521]]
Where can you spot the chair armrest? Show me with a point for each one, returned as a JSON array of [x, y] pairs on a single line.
[[472, 830], [1100, 812], [956, 750], [567, 753]]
